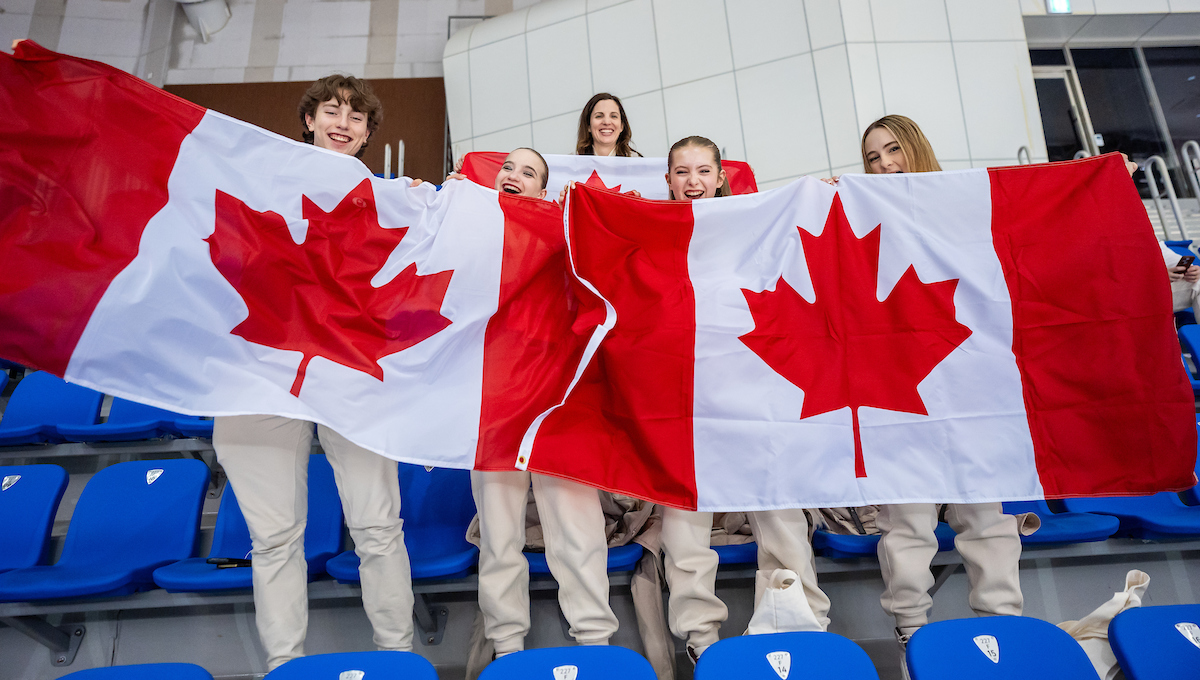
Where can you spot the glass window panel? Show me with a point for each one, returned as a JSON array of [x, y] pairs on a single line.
[[1047, 58], [1058, 121], [1176, 74]]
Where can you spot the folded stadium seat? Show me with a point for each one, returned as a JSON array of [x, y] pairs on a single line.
[[1195, 383], [773, 656], [1181, 247], [1063, 528], [1161, 517], [146, 671], [231, 539], [585, 662], [194, 426], [40, 403], [127, 421], [29, 496], [130, 519], [437, 508], [1189, 337], [844, 546], [379, 665], [1000, 647], [1157, 642], [621, 558], [3, 379]]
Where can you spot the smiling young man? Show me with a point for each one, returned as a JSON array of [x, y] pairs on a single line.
[[266, 459]]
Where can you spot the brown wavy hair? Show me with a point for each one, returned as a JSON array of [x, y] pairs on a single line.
[[703, 143], [346, 90], [583, 141], [916, 147]]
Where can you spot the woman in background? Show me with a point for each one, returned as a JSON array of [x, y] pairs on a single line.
[[603, 128]]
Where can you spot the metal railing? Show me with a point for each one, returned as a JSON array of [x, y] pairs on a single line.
[[1189, 153], [1023, 151], [387, 160], [1083, 153], [1148, 168]]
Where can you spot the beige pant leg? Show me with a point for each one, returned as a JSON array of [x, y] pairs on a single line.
[[500, 499], [782, 537], [370, 490], [577, 554], [694, 611], [266, 460], [906, 549], [991, 550]]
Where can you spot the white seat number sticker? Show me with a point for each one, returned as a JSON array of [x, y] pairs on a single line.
[[989, 646]]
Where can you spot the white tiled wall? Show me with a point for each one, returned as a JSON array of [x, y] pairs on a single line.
[[784, 84]]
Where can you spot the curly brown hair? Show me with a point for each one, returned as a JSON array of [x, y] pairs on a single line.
[[346, 90]]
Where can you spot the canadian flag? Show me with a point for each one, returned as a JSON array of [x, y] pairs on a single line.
[[967, 336], [174, 256], [645, 175]]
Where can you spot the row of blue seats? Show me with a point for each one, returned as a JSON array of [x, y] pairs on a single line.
[[1149, 642], [45, 409], [135, 527]]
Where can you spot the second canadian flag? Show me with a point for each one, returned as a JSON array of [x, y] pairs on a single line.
[[906, 338]]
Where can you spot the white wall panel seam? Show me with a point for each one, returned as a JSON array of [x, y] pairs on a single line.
[[737, 95], [662, 91], [962, 107], [817, 84], [875, 45], [528, 76], [850, 71], [587, 36]]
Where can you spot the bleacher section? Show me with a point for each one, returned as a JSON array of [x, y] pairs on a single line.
[[147, 507]]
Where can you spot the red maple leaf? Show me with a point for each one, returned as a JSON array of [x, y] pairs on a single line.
[[848, 348], [316, 298], [594, 181]]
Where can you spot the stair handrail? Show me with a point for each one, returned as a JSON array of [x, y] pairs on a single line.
[[1082, 153], [1025, 150], [1148, 168], [1191, 165]]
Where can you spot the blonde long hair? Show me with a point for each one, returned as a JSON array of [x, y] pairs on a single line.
[[916, 147]]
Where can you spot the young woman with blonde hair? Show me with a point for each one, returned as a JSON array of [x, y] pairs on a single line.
[[695, 612], [987, 539]]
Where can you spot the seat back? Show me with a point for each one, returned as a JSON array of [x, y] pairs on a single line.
[[598, 662], [29, 496], [996, 647], [125, 411], [45, 399], [323, 533], [371, 666], [138, 513], [146, 671], [437, 507], [772, 656], [1157, 642]]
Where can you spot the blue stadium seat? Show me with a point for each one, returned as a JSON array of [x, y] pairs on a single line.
[[437, 508], [1157, 642], [3, 379], [127, 421], [1195, 383], [798, 655], [373, 665], [29, 496], [999, 647], [147, 671], [738, 553], [1181, 247], [1161, 517], [194, 426], [130, 519], [1063, 528], [838, 546], [1189, 337], [231, 538], [599, 662], [40, 403], [621, 558]]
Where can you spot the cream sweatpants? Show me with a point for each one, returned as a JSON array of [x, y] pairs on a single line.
[[783, 543], [694, 612], [266, 459], [576, 552], [987, 541]]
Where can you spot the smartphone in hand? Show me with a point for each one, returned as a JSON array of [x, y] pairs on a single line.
[[1186, 261]]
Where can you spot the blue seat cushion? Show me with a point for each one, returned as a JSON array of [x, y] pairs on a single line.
[[1148, 645], [29, 434], [1159, 517], [117, 432], [1063, 528], [147, 671], [738, 553], [442, 564], [58, 582], [620, 558], [194, 427], [842, 546]]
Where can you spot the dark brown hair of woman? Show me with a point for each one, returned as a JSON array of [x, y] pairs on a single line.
[[583, 141]]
